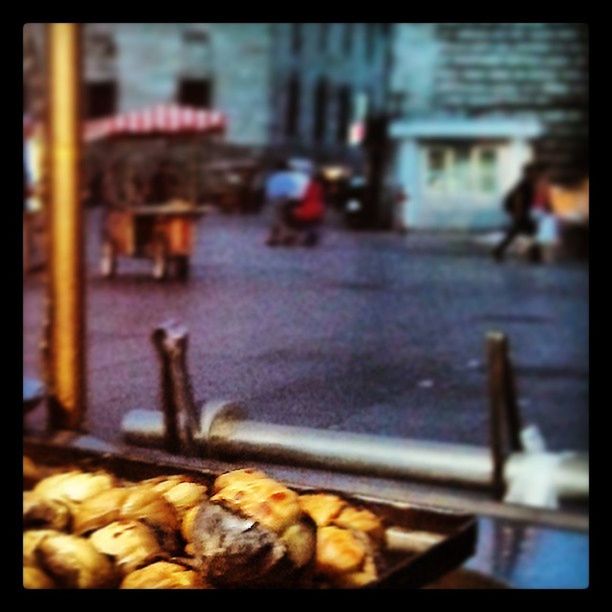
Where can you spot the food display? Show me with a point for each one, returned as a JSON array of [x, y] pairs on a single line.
[[349, 540], [92, 529]]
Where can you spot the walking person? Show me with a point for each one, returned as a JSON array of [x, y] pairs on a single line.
[[518, 204]]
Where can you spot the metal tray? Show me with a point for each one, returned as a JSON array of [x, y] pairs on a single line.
[[452, 535]]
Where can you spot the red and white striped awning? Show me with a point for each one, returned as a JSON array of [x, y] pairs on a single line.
[[162, 119]]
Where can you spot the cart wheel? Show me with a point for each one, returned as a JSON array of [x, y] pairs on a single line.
[[160, 261], [182, 267], [108, 262]]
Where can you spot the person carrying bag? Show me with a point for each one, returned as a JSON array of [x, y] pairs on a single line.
[[547, 224]]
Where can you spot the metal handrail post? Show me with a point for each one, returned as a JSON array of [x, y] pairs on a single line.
[[66, 368]]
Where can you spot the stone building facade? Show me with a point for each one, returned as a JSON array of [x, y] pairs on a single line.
[[471, 102], [481, 98], [244, 69], [326, 78]]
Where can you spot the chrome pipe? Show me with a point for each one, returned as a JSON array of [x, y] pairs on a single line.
[[353, 452], [225, 433]]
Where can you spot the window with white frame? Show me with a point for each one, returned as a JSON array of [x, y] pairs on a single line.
[[461, 169]]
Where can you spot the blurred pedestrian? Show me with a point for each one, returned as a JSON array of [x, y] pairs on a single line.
[[111, 194], [136, 189], [547, 224], [163, 185], [518, 204], [94, 192], [308, 216], [284, 190]]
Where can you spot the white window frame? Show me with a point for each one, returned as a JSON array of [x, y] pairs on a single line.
[[477, 152], [450, 154]]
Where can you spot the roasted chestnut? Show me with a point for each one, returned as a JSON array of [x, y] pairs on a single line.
[[130, 543], [74, 562], [163, 575], [252, 532], [34, 578], [42, 513], [73, 487]]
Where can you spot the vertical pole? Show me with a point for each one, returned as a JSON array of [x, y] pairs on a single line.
[[496, 350], [183, 391], [66, 295], [513, 417], [172, 441]]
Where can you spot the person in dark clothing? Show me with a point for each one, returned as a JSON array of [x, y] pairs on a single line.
[[164, 184], [518, 204], [162, 188]]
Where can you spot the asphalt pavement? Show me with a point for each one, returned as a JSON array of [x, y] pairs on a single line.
[[368, 332]]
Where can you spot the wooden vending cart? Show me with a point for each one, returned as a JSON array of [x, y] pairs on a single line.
[[130, 151]]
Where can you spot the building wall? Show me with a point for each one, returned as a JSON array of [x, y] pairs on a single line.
[[148, 60], [249, 65], [242, 69], [470, 72], [360, 67], [148, 63], [151, 58], [457, 207], [473, 69]]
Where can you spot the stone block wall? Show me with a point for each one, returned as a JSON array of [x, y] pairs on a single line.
[[360, 67], [236, 58], [242, 79], [507, 68]]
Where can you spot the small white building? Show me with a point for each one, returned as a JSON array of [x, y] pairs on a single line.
[[456, 170]]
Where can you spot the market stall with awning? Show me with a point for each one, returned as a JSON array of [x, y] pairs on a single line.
[[166, 170]]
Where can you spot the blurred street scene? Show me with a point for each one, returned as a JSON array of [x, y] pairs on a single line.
[[372, 332], [445, 114], [349, 219], [417, 131]]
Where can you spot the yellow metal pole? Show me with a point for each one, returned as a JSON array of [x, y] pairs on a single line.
[[66, 332]]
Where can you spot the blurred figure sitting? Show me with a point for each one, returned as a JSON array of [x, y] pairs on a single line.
[[284, 190], [135, 187], [112, 186], [518, 205], [163, 184], [308, 215], [94, 195]]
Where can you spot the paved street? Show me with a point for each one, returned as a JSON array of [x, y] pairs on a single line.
[[370, 332]]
